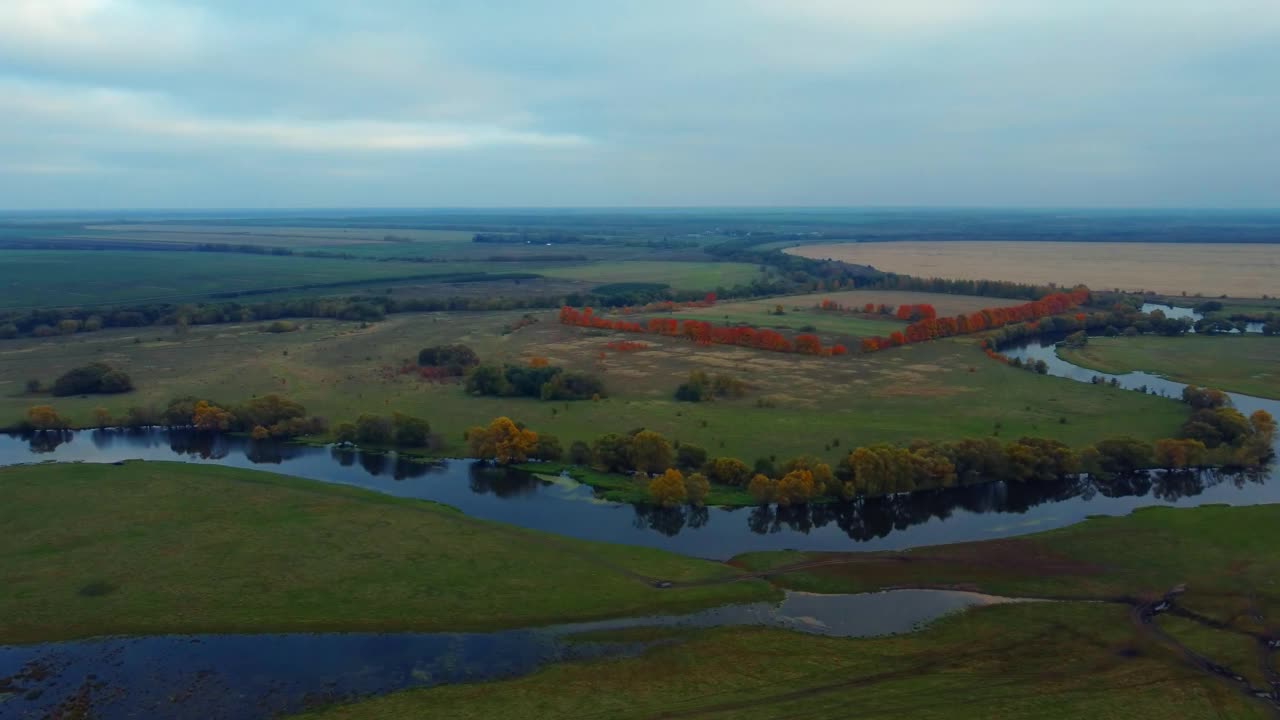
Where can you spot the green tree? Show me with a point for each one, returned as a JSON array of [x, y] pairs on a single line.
[[410, 431], [373, 430]]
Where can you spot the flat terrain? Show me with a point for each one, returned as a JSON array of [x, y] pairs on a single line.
[[1239, 270], [938, 390], [55, 278], [1013, 661], [1248, 364], [170, 548], [1107, 658], [679, 275]]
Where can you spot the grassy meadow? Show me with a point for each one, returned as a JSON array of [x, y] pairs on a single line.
[[1040, 659], [149, 548], [1247, 363], [803, 405], [679, 275]]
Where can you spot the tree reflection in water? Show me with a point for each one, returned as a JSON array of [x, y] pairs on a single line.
[[487, 479]]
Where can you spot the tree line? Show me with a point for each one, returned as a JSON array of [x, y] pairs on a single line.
[[930, 328]]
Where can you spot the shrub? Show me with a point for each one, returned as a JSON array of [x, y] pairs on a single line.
[[95, 378], [455, 359]]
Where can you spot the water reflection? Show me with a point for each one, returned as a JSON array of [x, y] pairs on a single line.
[[929, 517], [258, 676]]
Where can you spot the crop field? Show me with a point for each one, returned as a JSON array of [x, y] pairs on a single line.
[[679, 275], [273, 235], [1238, 270], [42, 278], [803, 405]]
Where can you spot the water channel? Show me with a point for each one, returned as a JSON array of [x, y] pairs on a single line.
[[262, 675], [248, 676]]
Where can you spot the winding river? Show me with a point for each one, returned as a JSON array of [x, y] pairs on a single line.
[[263, 675]]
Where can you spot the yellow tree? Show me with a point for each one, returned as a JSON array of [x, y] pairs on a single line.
[[210, 418], [502, 441], [44, 417], [696, 488], [762, 488], [650, 452], [101, 417], [795, 487], [668, 489]]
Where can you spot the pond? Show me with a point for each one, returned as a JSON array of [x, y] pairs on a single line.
[[1175, 312], [244, 676]]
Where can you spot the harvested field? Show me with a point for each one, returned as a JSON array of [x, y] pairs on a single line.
[[1238, 270]]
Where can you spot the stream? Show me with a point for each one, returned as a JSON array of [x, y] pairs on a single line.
[[241, 676]]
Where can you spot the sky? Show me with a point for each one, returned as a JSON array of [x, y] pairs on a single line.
[[559, 103]]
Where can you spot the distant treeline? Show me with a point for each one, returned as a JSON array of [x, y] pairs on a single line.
[[563, 238]]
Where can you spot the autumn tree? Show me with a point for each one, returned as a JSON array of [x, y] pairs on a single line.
[[727, 471], [44, 417], [211, 418], [1175, 454], [650, 452], [259, 433], [696, 487], [796, 487], [502, 441], [762, 488], [668, 489], [101, 417]]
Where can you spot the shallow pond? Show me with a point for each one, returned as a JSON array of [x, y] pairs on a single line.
[[252, 676], [1175, 312]]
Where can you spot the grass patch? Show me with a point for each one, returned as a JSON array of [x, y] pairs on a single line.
[[625, 489], [798, 405], [679, 275], [1040, 660], [150, 548], [1248, 364]]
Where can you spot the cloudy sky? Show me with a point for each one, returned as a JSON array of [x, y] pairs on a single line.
[[308, 103]]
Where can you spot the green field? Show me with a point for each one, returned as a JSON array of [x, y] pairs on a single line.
[[802, 405], [47, 278], [794, 320], [1248, 364], [1054, 660], [150, 548], [679, 275]]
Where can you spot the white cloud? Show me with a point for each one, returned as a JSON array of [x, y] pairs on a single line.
[[106, 33], [144, 119]]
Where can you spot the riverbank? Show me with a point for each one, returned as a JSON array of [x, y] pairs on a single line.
[[148, 548], [1248, 364], [1180, 606]]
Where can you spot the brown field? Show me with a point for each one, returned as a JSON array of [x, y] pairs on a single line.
[[1238, 270]]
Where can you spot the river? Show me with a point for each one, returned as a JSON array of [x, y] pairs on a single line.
[[263, 675]]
